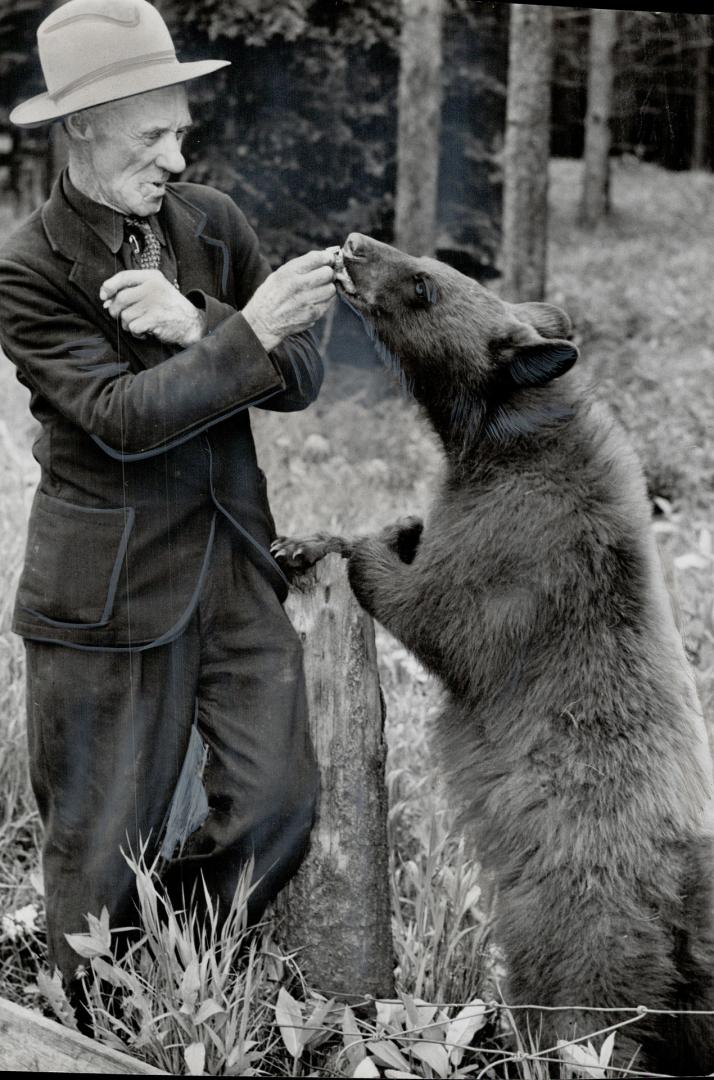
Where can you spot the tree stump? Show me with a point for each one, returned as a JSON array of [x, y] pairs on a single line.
[[336, 910]]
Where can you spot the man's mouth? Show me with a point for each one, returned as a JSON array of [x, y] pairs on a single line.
[[156, 187]]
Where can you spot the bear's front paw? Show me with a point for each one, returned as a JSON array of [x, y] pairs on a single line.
[[295, 555], [403, 537]]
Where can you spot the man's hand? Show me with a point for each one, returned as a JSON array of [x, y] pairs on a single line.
[[292, 297], [147, 303]]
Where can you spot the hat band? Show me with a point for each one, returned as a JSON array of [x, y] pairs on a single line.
[[118, 68]]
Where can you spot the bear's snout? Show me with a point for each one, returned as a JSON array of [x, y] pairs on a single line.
[[358, 246], [374, 267], [365, 261]]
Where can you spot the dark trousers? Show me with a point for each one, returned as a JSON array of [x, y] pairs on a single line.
[[109, 731]]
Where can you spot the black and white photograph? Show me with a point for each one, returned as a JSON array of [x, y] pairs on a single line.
[[356, 514]]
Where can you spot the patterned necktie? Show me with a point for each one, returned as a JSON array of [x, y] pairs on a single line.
[[150, 256]]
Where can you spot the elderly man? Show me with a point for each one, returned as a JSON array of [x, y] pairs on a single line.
[[144, 321]]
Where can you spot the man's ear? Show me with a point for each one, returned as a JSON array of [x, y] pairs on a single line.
[[532, 360], [78, 125]]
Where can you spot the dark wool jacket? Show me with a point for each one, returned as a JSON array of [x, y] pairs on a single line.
[[141, 447]]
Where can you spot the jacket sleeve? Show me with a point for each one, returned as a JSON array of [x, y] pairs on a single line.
[[65, 358], [297, 358]]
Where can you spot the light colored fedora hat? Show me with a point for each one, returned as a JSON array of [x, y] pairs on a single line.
[[93, 51]]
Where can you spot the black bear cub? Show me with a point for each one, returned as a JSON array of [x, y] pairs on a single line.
[[571, 737]]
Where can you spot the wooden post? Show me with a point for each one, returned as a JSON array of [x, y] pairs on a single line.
[[336, 910], [29, 1042]]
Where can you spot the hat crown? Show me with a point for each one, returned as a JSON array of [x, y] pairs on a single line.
[[84, 38], [96, 51]]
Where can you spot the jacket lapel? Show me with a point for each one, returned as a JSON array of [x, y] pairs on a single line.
[[202, 260], [200, 266]]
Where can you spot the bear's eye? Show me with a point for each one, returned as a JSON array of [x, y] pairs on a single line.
[[425, 290]]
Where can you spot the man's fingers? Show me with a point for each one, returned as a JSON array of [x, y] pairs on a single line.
[[312, 306], [124, 279], [321, 276], [321, 308], [131, 314], [311, 285], [293, 297], [324, 294], [139, 327], [122, 299], [312, 260]]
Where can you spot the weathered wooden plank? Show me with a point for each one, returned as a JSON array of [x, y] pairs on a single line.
[[337, 908], [29, 1042]]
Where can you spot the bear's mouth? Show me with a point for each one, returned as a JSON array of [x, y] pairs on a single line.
[[347, 288], [342, 276]]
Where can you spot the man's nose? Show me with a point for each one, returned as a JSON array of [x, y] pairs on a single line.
[[169, 156]]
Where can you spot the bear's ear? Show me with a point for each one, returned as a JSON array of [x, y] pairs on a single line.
[[534, 360], [536, 365], [548, 320]]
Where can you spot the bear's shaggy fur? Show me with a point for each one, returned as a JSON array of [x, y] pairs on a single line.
[[572, 737]]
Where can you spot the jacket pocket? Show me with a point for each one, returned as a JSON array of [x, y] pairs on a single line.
[[73, 561]]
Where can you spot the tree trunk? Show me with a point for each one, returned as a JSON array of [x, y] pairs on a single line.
[[700, 138], [526, 153], [418, 128], [595, 196], [336, 910]]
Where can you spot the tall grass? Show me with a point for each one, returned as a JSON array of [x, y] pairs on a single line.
[[637, 289], [192, 994]]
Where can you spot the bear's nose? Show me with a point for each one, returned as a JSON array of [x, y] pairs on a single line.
[[356, 246]]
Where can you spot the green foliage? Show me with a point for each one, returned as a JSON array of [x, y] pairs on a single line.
[[636, 290], [198, 997], [22, 935], [301, 130], [655, 75], [257, 22], [18, 56], [440, 918], [191, 995]]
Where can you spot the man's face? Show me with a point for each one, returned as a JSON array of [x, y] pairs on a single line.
[[134, 147]]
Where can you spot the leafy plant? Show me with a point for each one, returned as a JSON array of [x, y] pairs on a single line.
[[191, 994]]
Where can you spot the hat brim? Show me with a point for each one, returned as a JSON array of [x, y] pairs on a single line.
[[42, 108]]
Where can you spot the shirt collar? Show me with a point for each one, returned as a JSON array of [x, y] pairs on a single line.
[[108, 224]]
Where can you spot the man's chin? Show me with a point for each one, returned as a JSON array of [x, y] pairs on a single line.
[[149, 203]]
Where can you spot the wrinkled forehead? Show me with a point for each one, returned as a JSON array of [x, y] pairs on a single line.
[[166, 107]]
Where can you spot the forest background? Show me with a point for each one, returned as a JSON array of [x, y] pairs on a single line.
[[302, 130]]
